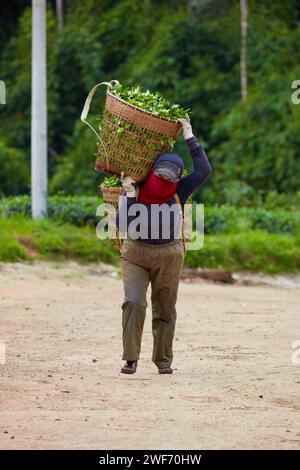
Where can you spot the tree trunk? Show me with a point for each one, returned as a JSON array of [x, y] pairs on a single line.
[[2, 92], [60, 13], [39, 112], [243, 62]]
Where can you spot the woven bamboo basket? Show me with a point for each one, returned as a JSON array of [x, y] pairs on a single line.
[[130, 138], [111, 194]]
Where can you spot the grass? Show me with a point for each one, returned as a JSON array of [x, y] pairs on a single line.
[[23, 238], [254, 250], [257, 250]]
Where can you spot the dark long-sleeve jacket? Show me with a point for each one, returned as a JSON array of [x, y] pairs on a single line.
[[186, 186]]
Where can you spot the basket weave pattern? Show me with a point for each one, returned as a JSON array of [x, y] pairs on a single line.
[[111, 194], [131, 139]]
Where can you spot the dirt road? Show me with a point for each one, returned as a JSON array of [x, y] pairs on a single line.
[[234, 383]]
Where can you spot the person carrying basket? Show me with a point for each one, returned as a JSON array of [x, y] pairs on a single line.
[[155, 259]]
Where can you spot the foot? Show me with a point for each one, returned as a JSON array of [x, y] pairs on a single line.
[[129, 367], [165, 370]]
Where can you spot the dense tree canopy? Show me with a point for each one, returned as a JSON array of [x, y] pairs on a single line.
[[187, 50]]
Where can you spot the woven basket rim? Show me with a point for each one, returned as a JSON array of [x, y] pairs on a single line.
[[137, 108], [111, 189]]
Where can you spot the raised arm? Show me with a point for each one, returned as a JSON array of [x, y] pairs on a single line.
[[202, 167]]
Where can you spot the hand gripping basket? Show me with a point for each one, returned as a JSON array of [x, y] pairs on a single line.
[[130, 138]]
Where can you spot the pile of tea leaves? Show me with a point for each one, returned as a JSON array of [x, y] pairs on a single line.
[[152, 102], [112, 181]]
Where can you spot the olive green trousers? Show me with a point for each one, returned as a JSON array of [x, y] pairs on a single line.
[[161, 265]]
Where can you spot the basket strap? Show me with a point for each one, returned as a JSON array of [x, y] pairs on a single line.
[[86, 109], [88, 101]]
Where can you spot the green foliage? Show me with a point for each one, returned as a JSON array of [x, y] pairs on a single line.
[[75, 172], [152, 102], [77, 210], [256, 250], [111, 181], [258, 142], [189, 52], [228, 219], [250, 250], [14, 171], [288, 201], [52, 240], [239, 194], [10, 249], [81, 210]]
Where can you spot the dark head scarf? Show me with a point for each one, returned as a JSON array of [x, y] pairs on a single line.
[[156, 190]]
